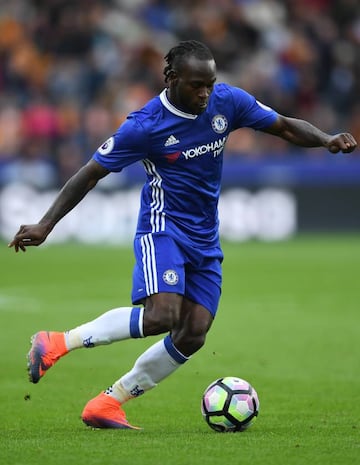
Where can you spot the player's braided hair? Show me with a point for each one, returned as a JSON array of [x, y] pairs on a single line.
[[182, 51]]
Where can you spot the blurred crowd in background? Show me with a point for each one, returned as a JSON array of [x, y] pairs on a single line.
[[71, 70]]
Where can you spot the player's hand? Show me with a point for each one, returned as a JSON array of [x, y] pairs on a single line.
[[343, 142], [29, 234]]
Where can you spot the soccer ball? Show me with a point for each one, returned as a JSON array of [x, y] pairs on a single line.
[[230, 404]]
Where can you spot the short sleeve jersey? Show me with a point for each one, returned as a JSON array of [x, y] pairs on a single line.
[[182, 155]]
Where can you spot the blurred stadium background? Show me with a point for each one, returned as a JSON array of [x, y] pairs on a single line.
[[70, 71]]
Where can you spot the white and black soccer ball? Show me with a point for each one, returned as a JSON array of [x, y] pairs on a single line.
[[230, 404]]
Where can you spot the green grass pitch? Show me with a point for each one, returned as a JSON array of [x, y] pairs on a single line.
[[288, 323]]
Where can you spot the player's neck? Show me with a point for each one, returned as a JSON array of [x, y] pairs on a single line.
[[173, 101]]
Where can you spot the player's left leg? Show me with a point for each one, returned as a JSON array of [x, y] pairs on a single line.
[[187, 335], [158, 362], [188, 324]]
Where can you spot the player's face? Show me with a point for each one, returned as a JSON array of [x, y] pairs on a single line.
[[191, 85]]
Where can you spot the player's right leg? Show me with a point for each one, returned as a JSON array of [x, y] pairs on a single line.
[[47, 347]]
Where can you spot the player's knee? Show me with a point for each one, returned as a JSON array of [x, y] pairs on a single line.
[[160, 317], [194, 342], [189, 341]]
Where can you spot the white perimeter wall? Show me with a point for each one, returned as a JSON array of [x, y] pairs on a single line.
[[104, 217]]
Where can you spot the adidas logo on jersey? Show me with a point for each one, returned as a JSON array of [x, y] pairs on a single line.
[[171, 141]]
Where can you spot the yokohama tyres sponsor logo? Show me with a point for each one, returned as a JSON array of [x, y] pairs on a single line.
[[216, 147]]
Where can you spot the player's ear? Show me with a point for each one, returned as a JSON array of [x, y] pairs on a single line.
[[172, 75]]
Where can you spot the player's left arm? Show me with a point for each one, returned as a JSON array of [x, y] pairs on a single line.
[[304, 134]]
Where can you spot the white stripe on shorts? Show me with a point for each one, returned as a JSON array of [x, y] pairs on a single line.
[[149, 264]]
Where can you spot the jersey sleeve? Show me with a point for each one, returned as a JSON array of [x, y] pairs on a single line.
[[126, 146], [249, 112]]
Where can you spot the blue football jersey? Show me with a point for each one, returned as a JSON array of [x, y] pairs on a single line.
[[182, 155]]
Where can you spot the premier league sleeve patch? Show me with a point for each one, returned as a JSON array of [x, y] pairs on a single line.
[[107, 146], [219, 124]]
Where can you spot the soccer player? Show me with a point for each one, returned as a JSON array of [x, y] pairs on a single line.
[[179, 136]]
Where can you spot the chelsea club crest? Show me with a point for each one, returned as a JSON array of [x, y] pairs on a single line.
[[219, 124], [171, 277]]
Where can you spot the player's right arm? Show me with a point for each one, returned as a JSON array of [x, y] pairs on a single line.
[[70, 195]]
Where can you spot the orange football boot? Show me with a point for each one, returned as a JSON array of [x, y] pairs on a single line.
[[103, 411], [46, 349]]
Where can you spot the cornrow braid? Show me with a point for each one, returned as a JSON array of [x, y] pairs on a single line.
[[184, 50]]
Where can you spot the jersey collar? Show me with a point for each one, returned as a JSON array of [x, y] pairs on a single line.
[[169, 106]]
